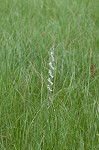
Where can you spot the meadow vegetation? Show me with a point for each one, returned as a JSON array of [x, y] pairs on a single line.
[[28, 29]]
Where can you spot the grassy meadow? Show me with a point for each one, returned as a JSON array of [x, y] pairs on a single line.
[[28, 29]]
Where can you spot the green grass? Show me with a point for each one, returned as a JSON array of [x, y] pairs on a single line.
[[28, 29]]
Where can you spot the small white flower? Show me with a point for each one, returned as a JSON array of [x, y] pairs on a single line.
[[52, 57], [49, 88], [50, 73], [50, 64], [49, 80]]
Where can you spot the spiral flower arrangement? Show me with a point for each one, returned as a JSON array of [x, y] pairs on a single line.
[[51, 74]]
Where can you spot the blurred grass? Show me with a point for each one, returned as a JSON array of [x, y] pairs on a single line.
[[28, 29]]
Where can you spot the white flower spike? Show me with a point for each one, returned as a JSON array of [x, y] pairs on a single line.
[[51, 74]]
